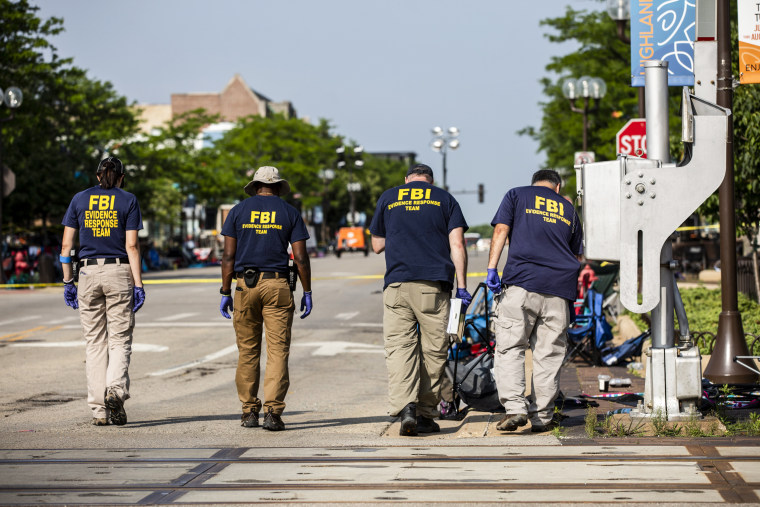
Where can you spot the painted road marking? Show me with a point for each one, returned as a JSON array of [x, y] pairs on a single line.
[[136, 347], [366, 324], [223, 323], [20, 335], [346, 315], [65, 319], [338, 347], [20, 319], [205, 359], [178, 316]]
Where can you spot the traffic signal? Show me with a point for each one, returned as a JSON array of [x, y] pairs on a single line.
[[341, 157], [481, 193]]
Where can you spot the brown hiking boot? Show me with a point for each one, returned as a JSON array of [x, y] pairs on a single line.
[[510, 422], [115, 404], [99, 421], [273, 422], [249, 420]]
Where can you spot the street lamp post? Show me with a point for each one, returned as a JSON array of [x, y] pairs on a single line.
[[12, 98], [586, 88], [354, 162], [620, 11], [327, 176], [441, 142]]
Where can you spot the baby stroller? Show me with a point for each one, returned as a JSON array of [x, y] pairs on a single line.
[[470, 363]]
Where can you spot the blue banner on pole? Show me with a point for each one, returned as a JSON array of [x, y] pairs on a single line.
[[663, 30]]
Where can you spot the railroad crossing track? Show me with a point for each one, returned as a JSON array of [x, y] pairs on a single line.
[[545, 474]]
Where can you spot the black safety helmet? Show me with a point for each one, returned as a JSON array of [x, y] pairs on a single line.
[[111, 163]]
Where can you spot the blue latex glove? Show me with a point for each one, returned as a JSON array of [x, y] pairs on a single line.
[[466, 298], [70, 295], [225, 307], [306, 304], [493, 281], [139, 298]]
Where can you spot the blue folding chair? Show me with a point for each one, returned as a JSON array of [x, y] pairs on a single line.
[[587, 336]]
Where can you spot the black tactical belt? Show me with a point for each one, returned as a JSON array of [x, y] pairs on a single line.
[[112, 260], [264, 275]]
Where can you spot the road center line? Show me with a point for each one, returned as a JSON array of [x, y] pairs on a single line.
[[20, 319], [221, 323], [346, 315], [205, 359]]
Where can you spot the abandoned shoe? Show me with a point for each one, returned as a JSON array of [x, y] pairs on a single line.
[[99, 421], [273, 422], [427, 425], [510, 422], [249, 420], [408, 418], [118, 415]]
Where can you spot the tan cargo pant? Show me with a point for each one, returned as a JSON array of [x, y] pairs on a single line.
[[414, 329], [105, 310], [539, 321], [270, 304]]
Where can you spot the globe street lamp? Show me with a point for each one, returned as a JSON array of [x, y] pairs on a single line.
[[12, 98], [327, 176], [351, 162], [441, 142], [585, 88]]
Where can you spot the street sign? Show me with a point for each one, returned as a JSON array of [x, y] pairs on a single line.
[[632, 138], [749, 41], [9, 181], [584, 157]]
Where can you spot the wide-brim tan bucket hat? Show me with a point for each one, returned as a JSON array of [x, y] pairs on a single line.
[[269, 175]]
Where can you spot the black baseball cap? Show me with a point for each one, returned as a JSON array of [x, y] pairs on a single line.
[[420, 169]]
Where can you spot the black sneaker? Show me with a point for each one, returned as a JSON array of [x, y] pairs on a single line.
[[510, 422], [249, 420], [118, 415], [427, 425], [273, 422], [408, 417]]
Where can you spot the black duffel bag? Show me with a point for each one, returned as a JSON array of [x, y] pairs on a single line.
[[474, 382]]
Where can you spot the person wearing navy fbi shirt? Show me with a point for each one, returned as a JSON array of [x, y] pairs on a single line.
[[533, 296], [110, 287], [421, 229], [256, 236]]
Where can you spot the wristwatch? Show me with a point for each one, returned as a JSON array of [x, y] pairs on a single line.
[[223, 292]]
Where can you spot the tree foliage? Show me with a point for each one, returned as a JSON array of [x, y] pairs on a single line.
[[65, 122]]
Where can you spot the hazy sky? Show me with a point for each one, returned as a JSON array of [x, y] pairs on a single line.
[[383, 73]]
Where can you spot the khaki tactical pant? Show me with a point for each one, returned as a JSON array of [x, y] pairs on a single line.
[[105, 310], [270, 304], [539, 321], [414, 329]]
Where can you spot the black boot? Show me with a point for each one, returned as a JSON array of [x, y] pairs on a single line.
[[408, 417], [427, 425]]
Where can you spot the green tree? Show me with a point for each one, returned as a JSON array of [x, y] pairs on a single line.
[[65, 122], [599, 53]]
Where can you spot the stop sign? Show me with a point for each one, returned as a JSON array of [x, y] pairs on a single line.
[[632, 138]]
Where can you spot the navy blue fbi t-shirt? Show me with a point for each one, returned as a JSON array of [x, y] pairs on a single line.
[[103, 218], [545, 235], [415, 219], [263, 226]]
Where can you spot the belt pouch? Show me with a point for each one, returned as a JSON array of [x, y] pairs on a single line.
[[251, 277]]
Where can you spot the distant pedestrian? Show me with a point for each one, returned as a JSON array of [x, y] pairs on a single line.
[[256, 236], [421, 229], [110, 285], [533, 309]]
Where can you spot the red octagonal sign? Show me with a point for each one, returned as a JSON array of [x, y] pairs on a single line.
[[632, 138]]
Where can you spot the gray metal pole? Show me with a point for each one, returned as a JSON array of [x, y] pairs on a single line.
[[658, 148]]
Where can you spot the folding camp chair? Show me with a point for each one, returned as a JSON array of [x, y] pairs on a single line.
[[607, 274], [589, 333]]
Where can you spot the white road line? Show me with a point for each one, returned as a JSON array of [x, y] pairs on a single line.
[[177, 316], [346, 315], [339, 347], [204, 359], [65, 319], [365, 324], [20, 319], [136, 347], [221, 323]]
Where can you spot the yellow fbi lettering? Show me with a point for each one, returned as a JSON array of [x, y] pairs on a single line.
[[412, 198], [100, 216], [261, 221], [550, 209]]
